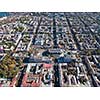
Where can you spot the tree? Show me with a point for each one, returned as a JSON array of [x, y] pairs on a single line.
[[8, 67]]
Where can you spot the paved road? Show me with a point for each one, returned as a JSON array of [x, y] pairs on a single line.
[[73, 34], [39, 22], [21, 76], [54, 32], [57, 76]]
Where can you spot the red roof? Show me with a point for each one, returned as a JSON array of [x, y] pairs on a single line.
[[0, 85], [47, 65], [24, 80], [35, 84], [13, 82]]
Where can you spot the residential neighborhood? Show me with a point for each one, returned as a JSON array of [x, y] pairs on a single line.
[[50, 49]]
